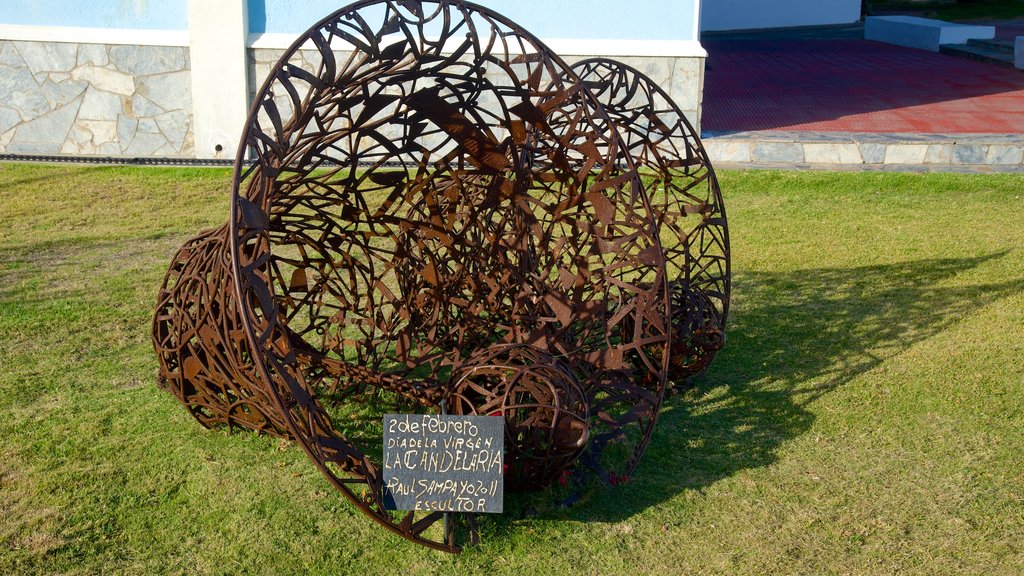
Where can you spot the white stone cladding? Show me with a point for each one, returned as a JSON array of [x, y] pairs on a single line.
[[95, 99]]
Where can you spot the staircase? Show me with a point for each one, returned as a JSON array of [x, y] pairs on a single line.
[[993, 51]]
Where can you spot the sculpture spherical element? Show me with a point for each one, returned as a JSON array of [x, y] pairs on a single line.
[[686, 201], [544, 407], [697, 332]]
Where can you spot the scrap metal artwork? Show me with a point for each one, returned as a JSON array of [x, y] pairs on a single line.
[[430, 208], [686, 200]]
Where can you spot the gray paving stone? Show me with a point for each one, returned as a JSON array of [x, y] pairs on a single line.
[[79, 141], [94, 54], [44, 148], [905, 153], [911, 137], [109, 149], [100, 105], [778, 152], [928, 152], [775, 136], [869, 138], [48, 56], [146, 60], [148, 125], [969, 153], [9, 118], [313, 58], [1013, 139], [142, 106], [19, 91], [165, 150], [126, 128], [728, 150], [145, 144], [60, 93], [1003, 154], [9, 55], [172, 91], [939, 154], [873, 153], [686, 74], [832, 153], [50, 128], [188, 146], [105, 79], [174, 125], [98, 131], [71, 147], [824, 137]]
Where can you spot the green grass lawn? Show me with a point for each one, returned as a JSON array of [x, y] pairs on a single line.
[[950, 10], [866, 416]]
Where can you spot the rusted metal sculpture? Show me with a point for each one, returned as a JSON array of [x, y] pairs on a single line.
[[439, 211], [687, 202]]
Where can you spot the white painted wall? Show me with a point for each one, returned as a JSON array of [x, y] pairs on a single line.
[[748, 14], [217, 34], [661, 34]]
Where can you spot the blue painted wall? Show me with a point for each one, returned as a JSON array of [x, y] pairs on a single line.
[[145, 14], [548, 19]]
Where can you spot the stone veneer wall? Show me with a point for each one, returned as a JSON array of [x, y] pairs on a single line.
[[681, 77], [95, 99]]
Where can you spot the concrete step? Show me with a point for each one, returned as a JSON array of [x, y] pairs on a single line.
[[996, 45], [923, 33], [982, 53], [993, 152]]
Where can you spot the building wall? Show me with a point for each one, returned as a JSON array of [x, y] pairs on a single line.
[[123, 14], [599, 19], [94, 99], [748, 14], [681, 77], [125, 78], [658, 37], [81, 77]]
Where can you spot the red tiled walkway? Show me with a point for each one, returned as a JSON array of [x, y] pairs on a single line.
[[856, 86]]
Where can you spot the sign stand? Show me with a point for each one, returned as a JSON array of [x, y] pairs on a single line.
[[449, 534]]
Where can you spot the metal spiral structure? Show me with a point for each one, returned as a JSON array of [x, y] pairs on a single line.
[[440, 211]]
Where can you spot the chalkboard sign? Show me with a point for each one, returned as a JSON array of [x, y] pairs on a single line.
[[445, 463]]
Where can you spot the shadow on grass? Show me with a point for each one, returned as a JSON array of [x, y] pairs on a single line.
[[794, 337]]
